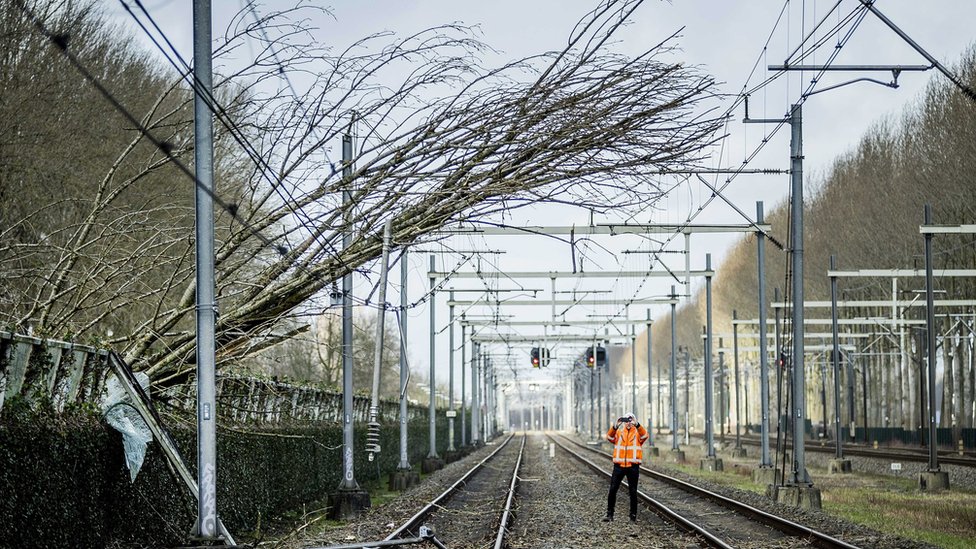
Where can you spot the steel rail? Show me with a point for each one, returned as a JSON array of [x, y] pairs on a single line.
[[816, 538], [659, 508], [507, 511], [903, 454], [414, 521]]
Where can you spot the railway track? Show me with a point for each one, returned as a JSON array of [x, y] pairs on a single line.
[[716, 520], [918, 455], [458, 518]]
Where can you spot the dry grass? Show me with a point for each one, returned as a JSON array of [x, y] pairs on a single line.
[[945, 519]]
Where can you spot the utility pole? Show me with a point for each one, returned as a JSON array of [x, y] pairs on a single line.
[[799, 477], [738, 451], [349, 501], [633, 369], [650, 399], [404, 477], [710, 462], [475, 402], [464, 434], [838, 464], [207, 522], [451, 412], [433, 461], [677, 455], [764, 472], [933, 478], [721, 392]]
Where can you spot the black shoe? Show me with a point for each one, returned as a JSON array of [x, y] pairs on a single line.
[[608, 518], [633, 518]]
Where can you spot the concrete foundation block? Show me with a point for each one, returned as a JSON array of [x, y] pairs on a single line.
[[804, 497], [933, 481], [765, 475], [839, 466], [711, 464], [653, 451], [737, 453], [431, 464], [677, 456], [401, 479], [348, 504]]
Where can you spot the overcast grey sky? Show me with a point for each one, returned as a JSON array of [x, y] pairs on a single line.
[[724, 37]]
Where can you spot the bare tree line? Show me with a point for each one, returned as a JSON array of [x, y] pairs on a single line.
[[105, 250], [866, 211]]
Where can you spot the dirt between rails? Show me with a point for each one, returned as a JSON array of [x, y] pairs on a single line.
[[470, 518], [561, 504]]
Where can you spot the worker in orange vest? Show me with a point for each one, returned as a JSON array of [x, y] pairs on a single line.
[[627, 436]]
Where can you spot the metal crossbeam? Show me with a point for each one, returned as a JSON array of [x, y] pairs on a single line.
[[903, 273], [807, 335], [564, 302], [947, 229], [807, 348], [879, 303], [564, 324], [607, 229], [872, 321], [568, 274]]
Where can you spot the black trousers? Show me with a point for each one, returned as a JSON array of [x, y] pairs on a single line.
[[632, 473]]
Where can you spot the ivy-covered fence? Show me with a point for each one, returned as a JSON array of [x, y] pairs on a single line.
[[63, 479], [46, 369]]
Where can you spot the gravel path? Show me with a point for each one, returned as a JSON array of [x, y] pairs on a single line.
[[561, 503], [470, 518]]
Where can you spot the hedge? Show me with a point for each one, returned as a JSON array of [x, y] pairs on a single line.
[[64, 484]]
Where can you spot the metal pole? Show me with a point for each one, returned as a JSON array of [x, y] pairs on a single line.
[[592, 399], [450, 382], [838, 447], [721, 392], [799, 473], [779, 372], [633, 369], [348, 441], [709, 388], [764, 460], [404, 373], [687, 396], [475, 404], [660, 402], [432, 406], [735, 368], [599, 395], [373, 428], [206, 306], [930, 333], [650, 395], [464, 434], [674, 384], [607, 387]]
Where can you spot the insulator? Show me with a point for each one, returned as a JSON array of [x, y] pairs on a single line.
[[373, 437]]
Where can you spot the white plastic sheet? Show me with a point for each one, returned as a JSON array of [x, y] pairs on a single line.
[[124, 418]]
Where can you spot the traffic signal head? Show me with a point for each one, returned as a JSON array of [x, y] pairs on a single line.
[[601, 357], [535, 357], [590, 360], [781, 360]]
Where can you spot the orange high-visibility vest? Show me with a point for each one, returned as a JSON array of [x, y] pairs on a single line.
[[627, 444]]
